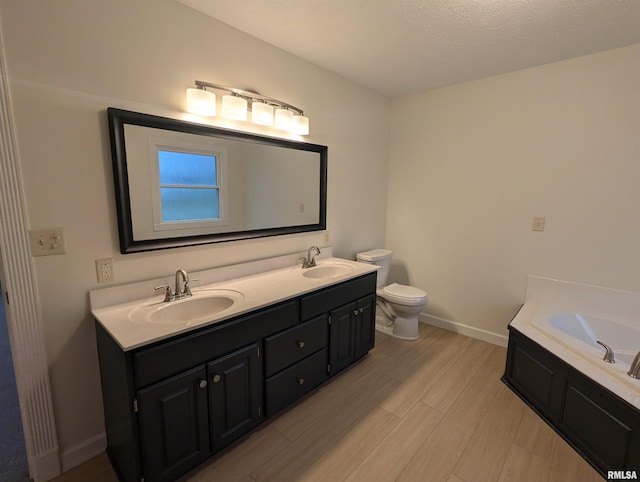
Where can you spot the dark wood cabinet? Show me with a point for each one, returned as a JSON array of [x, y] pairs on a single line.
[[365, 326], [599, 425], [235, 395], [173, 417], [341, 337], [171, 404], [185, 418], [351, 332]]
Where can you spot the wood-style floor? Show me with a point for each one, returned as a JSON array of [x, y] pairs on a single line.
[[431, 410]]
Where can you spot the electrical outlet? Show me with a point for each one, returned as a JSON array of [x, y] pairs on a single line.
[[538, 224], [46, 242], [104, 270], [327, 237]]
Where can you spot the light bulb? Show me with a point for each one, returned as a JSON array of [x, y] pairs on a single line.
[[234, 107], [300, 125], [261, 113], [284, 119], [201, 102]]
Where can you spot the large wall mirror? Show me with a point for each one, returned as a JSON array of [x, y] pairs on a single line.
[[181, 184]]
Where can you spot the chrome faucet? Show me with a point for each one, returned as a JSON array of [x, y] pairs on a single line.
[[310, 260], [608, 353], [182, 290], [634, 370]]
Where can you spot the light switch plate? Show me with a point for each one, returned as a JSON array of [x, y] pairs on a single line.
[[47, 242]]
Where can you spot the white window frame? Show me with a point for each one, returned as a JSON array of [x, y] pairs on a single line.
[[166, 144]]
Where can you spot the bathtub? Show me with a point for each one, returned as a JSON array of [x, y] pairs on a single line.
[[622, 339], [568, 318], [572, 337], [555, 366]]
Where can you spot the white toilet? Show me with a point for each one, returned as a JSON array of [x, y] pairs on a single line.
[[398, 305]]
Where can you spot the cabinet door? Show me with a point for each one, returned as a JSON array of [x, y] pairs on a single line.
[[365, 322], [536, 375], [235, 395], [341, 333], [174, 425], [599, 425]]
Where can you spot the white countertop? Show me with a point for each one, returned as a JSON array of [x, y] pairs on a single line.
[[259, 290]]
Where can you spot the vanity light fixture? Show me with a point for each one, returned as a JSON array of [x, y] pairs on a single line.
[[237, 102]]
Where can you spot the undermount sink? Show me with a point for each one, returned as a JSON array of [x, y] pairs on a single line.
[[201, 306], [327, 270]]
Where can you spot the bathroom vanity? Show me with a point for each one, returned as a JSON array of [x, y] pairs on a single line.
[[175, 400]]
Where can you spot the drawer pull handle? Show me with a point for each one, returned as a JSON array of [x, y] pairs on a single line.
[[216, 378], [300, 381], [203, 383], [301, 344]]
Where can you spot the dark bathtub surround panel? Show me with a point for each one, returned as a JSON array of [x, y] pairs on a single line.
[[600, 426], [172, 404]]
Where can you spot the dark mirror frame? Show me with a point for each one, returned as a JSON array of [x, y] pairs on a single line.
[[117, 119]]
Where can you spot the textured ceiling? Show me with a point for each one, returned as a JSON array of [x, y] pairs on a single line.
[[400, 47]]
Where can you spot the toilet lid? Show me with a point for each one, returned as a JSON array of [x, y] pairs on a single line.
[[400, 293]]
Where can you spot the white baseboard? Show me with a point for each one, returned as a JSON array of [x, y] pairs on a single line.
[[478, 333], [45, 466], [84, 451]]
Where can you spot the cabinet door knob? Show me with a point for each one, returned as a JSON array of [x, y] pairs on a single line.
[[301, 344], [355, 312], [216, 378], [300, 381], [203, 383]]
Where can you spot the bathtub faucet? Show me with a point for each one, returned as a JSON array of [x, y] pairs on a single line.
[[608, 353], [634, 371]]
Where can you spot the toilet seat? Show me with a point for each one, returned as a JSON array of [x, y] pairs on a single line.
[[404, 295]]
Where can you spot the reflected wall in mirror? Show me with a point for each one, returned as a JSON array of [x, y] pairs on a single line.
[[180, 183]]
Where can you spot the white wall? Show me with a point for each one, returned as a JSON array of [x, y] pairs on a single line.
[[68, 61], [471, 164]]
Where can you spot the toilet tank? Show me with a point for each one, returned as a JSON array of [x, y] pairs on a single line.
[[380, 257]]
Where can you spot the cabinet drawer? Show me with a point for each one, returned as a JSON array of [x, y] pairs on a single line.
[[289, 385], [331, 298], [175, 356], [294, 344]]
